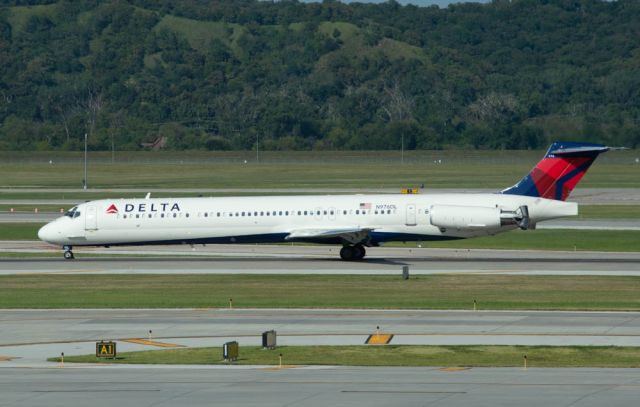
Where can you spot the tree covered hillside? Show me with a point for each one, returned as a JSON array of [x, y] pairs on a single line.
[[220, 74]]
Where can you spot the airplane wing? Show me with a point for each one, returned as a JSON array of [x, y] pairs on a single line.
[[350, 235]]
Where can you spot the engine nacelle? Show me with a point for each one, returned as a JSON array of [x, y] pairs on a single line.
[[465, 217]]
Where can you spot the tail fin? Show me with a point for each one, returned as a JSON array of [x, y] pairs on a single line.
[[562, 167]]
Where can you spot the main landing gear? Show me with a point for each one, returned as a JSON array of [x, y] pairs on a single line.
[[356, 252], [68, 254]]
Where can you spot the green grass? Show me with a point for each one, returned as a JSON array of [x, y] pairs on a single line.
[[609, 212], [19, 231], [27, 255], [199, 34], [497, 292], [448, 356], [551, 239], [324, 169]]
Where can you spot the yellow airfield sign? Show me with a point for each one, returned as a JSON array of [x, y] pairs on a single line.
[[105, 349]]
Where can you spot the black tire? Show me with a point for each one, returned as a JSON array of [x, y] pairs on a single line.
[[360, 252], [68, 255], [347, 253]]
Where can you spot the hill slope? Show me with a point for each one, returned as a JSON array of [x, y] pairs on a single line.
[[217, 75]]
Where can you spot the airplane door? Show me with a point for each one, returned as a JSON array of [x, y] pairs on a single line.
[[411, 215], [91, 218]]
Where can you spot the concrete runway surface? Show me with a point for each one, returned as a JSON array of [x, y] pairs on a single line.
[[29, 337], [284, 259], [317, 386]]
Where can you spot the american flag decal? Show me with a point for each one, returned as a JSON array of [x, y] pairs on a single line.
[[366, 205]]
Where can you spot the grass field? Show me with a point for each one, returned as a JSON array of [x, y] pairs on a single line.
[[343, 169], [19, 231], [496, 292], [447, 356], [551, 239], [559, 239], [608, 212]]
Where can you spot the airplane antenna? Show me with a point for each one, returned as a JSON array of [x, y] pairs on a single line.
[[148, 195]]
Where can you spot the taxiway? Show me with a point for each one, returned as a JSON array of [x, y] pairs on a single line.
[[295, 259]]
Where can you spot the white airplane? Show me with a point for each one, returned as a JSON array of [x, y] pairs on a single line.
[[353, 221]]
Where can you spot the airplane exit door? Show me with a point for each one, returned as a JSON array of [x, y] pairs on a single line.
[[411, 215], [91, 218]]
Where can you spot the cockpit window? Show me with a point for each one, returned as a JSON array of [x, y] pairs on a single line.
[[73, 212]]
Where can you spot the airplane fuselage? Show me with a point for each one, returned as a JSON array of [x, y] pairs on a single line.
[[385, 218]]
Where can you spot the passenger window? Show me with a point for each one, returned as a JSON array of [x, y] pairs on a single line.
[[137, 216], [124, 216], [280, 213], [357, 211], [175, 215], [206, 215], [187, 215], [150, 216]]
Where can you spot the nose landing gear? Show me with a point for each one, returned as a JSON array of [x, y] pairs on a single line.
[[355, 252], [68, 254]]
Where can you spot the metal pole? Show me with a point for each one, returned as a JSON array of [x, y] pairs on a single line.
[[84, 181]]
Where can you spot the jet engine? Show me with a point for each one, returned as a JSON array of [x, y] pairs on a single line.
[[461, 217]]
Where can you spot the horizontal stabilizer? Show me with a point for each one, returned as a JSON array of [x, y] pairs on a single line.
[[580, 151]]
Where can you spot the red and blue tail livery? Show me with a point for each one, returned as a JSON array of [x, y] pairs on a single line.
[[562, 167]]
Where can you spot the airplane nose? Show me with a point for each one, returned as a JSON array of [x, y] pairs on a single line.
[[47, 233]]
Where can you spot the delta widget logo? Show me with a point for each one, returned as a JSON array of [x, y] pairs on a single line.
[[112, 209]]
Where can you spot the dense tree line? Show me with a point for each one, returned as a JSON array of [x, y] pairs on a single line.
[[224, 74]]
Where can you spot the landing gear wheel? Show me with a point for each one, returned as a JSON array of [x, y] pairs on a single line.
[[360, 252], [68, 255], [347, 253], [356, 252]]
